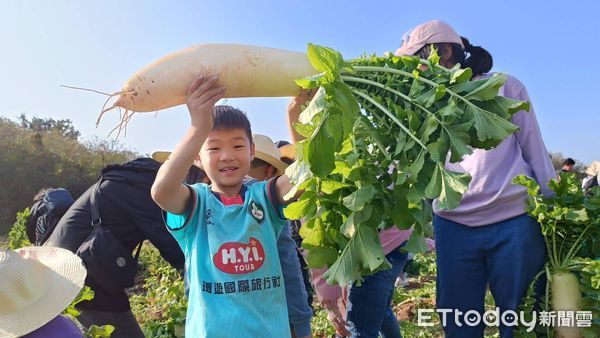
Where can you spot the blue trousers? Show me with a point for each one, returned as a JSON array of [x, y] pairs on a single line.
[[369, 309], [505, 255]]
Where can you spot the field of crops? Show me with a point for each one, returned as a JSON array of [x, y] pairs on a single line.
[[158, 301]]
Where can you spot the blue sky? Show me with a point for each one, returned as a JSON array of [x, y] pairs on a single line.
[[552, 46]]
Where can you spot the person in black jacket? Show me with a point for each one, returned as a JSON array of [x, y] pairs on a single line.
[[125, 206]]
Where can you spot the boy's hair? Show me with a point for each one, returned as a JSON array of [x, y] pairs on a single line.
[[569, 161], [227, 117]]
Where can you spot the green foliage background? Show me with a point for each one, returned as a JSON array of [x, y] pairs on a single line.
[[40, 153]]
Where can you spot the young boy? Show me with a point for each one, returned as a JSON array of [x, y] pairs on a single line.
[[227, 231]]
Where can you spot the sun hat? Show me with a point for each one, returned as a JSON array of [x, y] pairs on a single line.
[[36, 285], [434, 31], [161, 156], [288, 151], [266, 150]]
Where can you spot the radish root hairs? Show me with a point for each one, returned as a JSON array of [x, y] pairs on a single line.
[[124, 118], [90, 90]]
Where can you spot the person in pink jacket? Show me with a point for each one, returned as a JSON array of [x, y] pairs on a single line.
[[488, 239]]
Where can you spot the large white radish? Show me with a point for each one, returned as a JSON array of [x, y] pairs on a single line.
[[566, 297], [245, 71]]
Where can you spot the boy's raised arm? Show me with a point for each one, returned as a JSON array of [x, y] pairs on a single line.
[[283, 186], [168, 190]]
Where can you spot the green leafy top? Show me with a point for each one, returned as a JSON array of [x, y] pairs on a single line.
[[570, 219], [570, 223], [378, 132]]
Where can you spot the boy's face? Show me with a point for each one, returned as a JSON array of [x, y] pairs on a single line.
[[226, 155]]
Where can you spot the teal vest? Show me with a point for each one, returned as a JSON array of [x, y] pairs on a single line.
[[232, 265]]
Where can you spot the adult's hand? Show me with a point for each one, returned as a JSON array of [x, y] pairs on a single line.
[[295, 108], [336, 318]]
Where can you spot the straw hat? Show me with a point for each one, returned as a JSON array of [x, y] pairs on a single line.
[[266, 150], [36, 285], [161, 156], [288, 151]]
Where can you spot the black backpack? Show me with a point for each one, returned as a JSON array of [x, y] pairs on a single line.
[[45, 214]]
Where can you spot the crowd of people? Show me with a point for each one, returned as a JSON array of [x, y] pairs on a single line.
[[217, 218]]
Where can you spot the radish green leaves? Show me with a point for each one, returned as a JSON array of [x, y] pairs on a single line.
[[378, 133]]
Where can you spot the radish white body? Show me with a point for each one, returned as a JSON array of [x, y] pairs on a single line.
[[245, 71], [566, 297]]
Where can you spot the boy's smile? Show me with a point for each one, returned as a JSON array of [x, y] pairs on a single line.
[[228, 170]]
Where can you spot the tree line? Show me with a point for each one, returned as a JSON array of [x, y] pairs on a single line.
[[37, 153]]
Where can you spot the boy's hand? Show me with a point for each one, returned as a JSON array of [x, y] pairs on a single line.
[[202, 94], [168, 191], [282, 187]]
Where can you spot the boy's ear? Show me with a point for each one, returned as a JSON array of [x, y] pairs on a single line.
[[200, 163]]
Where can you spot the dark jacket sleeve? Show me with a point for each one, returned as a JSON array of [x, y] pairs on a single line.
[[75, 225], [128, 209], [148, 218], [299, 311], [126, 205]]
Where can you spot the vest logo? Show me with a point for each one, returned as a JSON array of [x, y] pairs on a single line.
[[257, 211], [239, 258]]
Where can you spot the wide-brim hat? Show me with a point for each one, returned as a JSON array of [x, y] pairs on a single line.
[[288, 151], [434, 31], [161, 156], [36, 285], [266, 150]]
